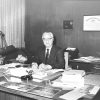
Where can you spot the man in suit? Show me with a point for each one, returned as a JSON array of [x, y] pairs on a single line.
[[49, 55]]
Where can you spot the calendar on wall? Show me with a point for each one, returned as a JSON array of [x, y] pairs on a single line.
[[91, 23]]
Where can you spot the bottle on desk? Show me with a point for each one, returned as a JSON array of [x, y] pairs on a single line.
[[1, 60], [66, 61]]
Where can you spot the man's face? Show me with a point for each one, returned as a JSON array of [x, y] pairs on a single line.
[[47, 40]]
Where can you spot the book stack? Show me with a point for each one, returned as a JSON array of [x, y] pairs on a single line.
[[73, 78]]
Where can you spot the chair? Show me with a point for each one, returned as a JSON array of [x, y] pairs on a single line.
[[70, 54]]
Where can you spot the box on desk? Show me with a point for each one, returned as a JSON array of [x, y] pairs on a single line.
[[73, 77]]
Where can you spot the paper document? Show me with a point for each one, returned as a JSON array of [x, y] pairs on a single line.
[[18, 72], [14, 79], [94, 90], [10, 65], [73, 95]]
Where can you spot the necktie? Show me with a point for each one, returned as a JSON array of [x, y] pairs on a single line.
[[47, 56]]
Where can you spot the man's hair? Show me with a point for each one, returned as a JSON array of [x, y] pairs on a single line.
[[50, 33]]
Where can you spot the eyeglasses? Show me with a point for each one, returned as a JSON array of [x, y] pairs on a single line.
[[47, 39]]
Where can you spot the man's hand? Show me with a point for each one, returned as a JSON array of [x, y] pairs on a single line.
[[34, 65], [45, 67], [21, 58], [48, 67]]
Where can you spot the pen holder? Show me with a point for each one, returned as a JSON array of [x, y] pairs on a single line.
[[26, 77]]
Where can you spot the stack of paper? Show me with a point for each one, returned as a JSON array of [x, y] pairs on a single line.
[[73, 77]]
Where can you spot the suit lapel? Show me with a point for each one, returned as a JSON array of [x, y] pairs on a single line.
[[52, 53], [43, 54]]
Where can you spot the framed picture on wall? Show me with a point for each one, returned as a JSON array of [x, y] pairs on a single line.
[[91, 23]]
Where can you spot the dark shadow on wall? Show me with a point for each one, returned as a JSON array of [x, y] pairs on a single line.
[[33, 34]]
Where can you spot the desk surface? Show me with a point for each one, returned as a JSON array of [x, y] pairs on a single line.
[[11, 87], [91, 79], [26, 88]]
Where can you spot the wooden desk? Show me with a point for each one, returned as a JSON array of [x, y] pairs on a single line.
[[11, 94]]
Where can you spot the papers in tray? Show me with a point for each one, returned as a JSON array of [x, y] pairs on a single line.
[[88, 59]]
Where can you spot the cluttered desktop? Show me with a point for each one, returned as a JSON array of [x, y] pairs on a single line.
[[54, 84], [28, 81]]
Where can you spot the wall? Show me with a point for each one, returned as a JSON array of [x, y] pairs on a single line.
[[48, 15]]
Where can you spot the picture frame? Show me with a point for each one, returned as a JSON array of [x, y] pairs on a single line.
[[67, 24], [91, 23]]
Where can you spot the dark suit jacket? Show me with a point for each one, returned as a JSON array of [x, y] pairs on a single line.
[[56, 57]]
